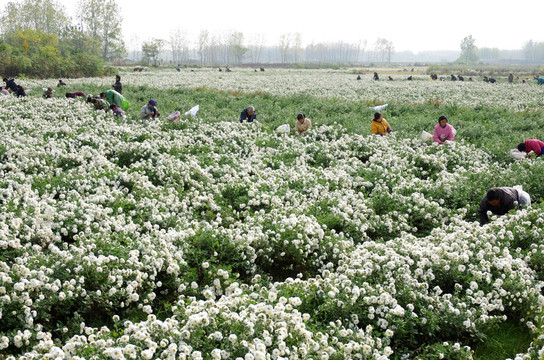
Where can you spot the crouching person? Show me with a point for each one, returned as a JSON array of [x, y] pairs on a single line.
[[150, 110], [500, 200]]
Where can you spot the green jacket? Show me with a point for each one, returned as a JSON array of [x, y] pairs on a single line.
[[114, 97]]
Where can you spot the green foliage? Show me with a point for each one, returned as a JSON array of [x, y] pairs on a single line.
[[503, 341], [38, 54]]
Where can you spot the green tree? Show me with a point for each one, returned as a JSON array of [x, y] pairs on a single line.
[[469, 51], [236, 48], [151, 50], [101, 20], [47, 16]]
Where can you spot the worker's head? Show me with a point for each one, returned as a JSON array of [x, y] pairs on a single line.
[[152, 103], [522, 147], [301, 117], [117, 77], [250, 110], [102, 95], [493, 197], [378, 116], [5, 79], [113, 106], [442, 120]]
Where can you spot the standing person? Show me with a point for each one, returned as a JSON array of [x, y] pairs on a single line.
[[10, 84], [376, 77], [149, 111], [248, 114], [303, 124], [118, 86], [443, 131], [500, 200], [511, 78], [379, 125], [533, 145]]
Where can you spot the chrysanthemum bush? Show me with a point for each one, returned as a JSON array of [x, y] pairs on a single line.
[[221, 240]]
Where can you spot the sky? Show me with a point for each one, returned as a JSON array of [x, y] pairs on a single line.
[[416, 25]]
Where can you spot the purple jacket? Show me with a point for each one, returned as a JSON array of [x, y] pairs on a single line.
[[442, 134]]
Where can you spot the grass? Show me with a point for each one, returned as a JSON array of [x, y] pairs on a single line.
[[504, 341]]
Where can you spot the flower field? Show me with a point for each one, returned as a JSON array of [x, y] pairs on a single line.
[[337, 84], [209, 239]]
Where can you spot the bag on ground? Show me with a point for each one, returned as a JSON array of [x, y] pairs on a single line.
[[425, 136], [282, 129]]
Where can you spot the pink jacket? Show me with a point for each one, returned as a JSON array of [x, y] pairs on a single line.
[[535, 145], [442, 134]]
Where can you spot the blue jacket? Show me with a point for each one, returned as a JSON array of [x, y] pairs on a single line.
[[244, 116]]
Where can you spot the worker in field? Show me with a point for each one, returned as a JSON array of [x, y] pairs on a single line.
[[248, 114], [303, 124], [533, 145], [100, 104], [20, 91], [443, 131], [118, 86], [150, 110], [376, 77], [117, 111], [113, 97], [11, 84], [48, 93], [379, 125], [72, 95], [500, 200]]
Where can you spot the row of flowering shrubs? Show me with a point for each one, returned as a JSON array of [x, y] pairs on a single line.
[[220, 240]]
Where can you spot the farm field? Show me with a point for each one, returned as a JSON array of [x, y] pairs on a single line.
[[209, 239]]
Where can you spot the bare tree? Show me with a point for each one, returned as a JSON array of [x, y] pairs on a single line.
[[101, 20], [297, 47], [178, 45], [203, 42], [383, 49], [256, 45], [284, 45], [389, 50]]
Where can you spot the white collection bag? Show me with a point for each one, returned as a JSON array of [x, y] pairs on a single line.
[[283, 129], [425, 136], [193, 110]]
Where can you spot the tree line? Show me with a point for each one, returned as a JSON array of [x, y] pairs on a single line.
[[40, 40], [234, 48]]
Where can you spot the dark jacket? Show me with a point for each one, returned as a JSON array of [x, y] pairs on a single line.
[[19, 91], [244, 116], [508, 197], [11, 85], [118, 87]]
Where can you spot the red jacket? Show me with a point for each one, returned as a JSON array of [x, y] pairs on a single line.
[[534, 145]]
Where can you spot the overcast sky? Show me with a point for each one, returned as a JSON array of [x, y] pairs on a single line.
[[415, 25]]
